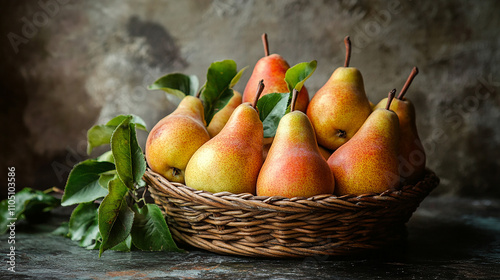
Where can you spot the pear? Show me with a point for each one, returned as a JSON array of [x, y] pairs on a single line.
[[340, 107], [272, 68], [175, 138], [294, 166], [221, 117], [368, 163], [324, 152], [412, 154], [372, 105], [230, 161]]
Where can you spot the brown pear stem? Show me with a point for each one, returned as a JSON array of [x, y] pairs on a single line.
[[198, 94], [347, 42], [265, 43], [295, 93], [413, 73], [260, 88], [390, 98]]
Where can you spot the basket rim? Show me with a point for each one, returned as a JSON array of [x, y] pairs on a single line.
[[412, 193]]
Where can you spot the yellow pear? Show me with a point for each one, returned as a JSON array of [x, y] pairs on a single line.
[[412, 154], [232, 159], [340, 107], [175, 138], [294, 166], [368, 163], [221, 117]]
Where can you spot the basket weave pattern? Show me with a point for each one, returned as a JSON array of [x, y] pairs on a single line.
[[248, 225]]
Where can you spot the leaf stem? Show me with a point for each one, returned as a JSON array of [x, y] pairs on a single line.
[[144, 194], [407, 84], [53, 189], [260, 88], [295, 93]]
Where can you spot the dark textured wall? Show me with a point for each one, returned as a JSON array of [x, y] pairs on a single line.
[[66, 65]]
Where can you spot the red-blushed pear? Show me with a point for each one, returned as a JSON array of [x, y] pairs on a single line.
[[412, 154], [340, 107], [272, 69], [220, 118], [232, 159], [175, 138], [294, 166], [368, 163]]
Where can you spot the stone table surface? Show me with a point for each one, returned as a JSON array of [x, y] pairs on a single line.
[[448, 238]]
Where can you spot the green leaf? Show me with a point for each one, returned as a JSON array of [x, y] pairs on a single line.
[[37, 203], [83, 182], [217, 89], [296, 76], [129, 159], [26, 204], [83, 224], [98, 135], [236, 78], [107, 156], [177, 84], [104, 180], [116, 121], [97, 243], [272, 107], [62, 230], [138, 160], [150, 231], [124, 246], [101, 134], [114, 216]]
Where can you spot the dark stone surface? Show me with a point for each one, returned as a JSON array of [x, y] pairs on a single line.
[[449, 238]]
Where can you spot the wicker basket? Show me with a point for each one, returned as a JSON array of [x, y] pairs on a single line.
[[248, 225]]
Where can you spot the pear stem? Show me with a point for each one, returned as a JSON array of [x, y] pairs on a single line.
[[347, 42], [390, 98], [260, 88], [198, 94], [413, 73], [265, 43], [295, 93]]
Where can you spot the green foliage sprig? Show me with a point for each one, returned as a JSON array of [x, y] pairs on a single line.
[[107, 190]]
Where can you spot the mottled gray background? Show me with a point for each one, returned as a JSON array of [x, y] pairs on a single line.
[[67, 65]]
